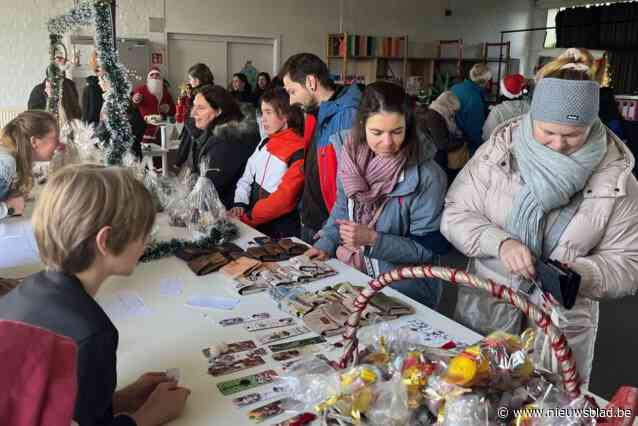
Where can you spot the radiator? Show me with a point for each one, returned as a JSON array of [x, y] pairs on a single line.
[[7, 114]]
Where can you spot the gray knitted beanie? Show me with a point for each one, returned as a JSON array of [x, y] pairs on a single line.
[[571, 102]]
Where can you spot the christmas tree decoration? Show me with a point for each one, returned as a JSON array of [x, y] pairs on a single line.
[[118, 137]]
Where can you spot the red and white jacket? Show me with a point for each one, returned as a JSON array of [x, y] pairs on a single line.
[[271, 185]]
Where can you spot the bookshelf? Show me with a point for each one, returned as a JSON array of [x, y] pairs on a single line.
[[365, 59], [415, 65]]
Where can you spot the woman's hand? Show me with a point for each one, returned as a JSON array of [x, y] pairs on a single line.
[[316, 254], [517, 258], [355, 235], [137, 98]]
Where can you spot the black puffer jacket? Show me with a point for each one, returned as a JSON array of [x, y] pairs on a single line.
[[190, 133], [92, 101], [227, 147]]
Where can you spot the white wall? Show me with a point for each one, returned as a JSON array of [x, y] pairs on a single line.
[[303, 25]]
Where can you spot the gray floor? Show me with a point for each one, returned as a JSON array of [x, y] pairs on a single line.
[[616, 347]]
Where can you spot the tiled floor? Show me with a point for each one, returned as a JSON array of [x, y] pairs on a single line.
[[615, 361]]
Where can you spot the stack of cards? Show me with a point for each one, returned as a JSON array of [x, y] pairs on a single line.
[[247, 382], [244, 320], [327, 311], [255, 397], [299, 270]]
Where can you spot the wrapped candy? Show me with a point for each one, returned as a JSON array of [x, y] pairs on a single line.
[[359, 395], [465, 410], [500, 361], [553, 400]]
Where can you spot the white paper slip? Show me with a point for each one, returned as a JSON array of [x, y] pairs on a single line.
[[126, 303], [17, 245], [212, 302], [171, 287], [174, 374], [428, 335]]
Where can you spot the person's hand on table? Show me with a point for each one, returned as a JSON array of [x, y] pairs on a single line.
[[137, 98], [517, 258], [237, 212], [316, 254], [133, 396], [355, 235], [165, 404], [17, 204]]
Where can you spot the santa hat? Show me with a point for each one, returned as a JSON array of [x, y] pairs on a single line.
[[152, 70], [512, 86]]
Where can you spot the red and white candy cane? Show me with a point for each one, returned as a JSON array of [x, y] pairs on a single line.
[[542, 319]]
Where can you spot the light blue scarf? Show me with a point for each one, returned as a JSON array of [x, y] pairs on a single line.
[[551, 180]]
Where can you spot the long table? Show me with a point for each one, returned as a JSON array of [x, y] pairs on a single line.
[[170, 335]]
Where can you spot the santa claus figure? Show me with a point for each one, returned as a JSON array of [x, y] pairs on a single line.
[[153, 98]]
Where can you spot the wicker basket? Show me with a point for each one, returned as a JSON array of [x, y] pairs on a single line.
[[560, 348]]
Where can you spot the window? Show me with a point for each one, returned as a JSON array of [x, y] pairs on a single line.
[[550, 34]]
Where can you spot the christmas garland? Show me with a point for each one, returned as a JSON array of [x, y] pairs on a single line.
[[226, 231], [54, 75], [119, 137]]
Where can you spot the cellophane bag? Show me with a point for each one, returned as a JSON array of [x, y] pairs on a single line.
[[204, 206]]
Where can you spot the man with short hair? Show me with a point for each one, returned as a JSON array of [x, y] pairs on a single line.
[[153, 98], [307, 80]]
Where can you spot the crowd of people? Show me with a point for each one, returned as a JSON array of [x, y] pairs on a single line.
[[362, 176]]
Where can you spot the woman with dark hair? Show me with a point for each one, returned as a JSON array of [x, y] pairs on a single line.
[[199, 77], [268, 193], [263, 82], [390, 195], [241, 89], [228, 138]]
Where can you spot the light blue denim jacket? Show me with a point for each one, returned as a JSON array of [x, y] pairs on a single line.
[[408, 228]]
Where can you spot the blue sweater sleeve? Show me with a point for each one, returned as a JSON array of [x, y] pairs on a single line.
[[330, 238]]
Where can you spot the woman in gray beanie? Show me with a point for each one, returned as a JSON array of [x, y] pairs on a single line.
[[553, 184]]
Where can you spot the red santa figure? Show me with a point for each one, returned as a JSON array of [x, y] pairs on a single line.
[[153, 98]]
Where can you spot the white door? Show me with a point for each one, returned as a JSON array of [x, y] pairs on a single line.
[[225, 55], [185, 52], [260, 55]]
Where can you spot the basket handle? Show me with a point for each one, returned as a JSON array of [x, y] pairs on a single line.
[[560, 348]]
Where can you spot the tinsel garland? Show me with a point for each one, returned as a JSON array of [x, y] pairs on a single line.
[[54, 75], [226, 231], [119, 136], [80, 15], [117, 99]]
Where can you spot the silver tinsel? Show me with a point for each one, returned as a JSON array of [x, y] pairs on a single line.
[[119, 137]]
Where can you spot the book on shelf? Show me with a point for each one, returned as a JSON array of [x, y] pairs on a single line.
[[359, 46]]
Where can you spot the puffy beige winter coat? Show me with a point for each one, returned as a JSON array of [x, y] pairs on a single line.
[[601, 239]]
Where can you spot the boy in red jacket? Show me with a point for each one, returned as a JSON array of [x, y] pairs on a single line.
[[267, 194]]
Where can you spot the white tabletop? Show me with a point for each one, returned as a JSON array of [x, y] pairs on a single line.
[[172, 335]]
